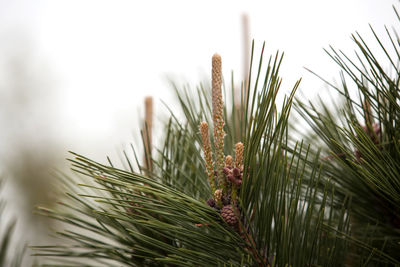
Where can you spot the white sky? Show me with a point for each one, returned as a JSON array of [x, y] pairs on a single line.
[[105, 56]]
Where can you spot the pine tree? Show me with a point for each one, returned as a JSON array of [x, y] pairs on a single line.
[[230, 187]]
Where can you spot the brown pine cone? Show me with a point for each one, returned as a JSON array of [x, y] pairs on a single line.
[[228, 215]]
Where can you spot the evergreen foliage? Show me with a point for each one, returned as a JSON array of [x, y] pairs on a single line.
[[361, 138], [293, 206]]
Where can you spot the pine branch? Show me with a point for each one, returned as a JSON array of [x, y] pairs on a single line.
[[361, 139], [279, 214]]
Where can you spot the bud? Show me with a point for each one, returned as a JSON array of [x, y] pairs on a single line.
[[229, 161], [226, 171], [218, 195], [211, 202], [239, 155], [236, 172], [238, 182], [231, 178]]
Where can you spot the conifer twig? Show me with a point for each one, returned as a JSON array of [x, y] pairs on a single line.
[[251, 246]]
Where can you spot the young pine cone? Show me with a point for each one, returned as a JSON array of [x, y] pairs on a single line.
[[211, 202], [228, 215]]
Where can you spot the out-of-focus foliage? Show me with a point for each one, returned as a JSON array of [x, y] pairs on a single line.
[[360, 139], [10, 253]]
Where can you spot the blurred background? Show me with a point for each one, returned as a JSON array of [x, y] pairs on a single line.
[[74, 74]]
